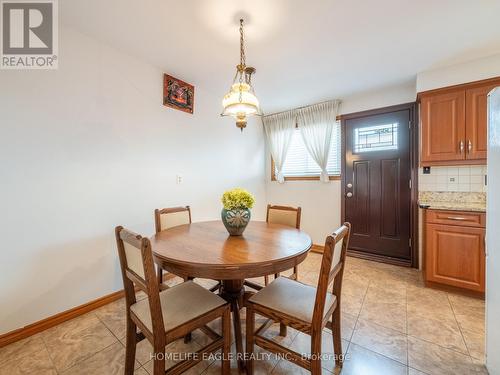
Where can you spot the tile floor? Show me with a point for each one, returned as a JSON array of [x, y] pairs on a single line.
[[392, 324]]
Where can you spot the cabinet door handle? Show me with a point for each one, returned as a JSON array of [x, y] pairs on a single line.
[[456, 218], [469, 147], [461, 145]]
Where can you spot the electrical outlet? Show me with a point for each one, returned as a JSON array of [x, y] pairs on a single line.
[[179, 179]]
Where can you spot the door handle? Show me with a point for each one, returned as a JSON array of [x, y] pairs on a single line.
[[456, 218], [349, 195], [461, 146], [469, 147]]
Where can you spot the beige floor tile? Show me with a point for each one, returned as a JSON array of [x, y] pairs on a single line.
[[114, 316], [310, 278], [361, 361], [377, 293], [390, 284], [387, 314], [351, 304], [110, 361], [206, 283], [261, 367], [347, 325], [144, 352], [76, 340], [412, 371], [440, 332], [437, 312], [273, 331], [36, 363], [20, 349], [385, 341], [355, 288], [475, 342], [433, 359], [458, 301], [285, 367], [302, 344], [471, 322], [427, 296]]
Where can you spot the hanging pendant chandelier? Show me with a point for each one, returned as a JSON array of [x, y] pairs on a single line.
[[240, 102]]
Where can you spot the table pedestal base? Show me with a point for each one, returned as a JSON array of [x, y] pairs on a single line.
[[233, 291]]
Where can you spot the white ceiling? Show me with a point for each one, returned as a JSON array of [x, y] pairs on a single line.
[[304, 51]]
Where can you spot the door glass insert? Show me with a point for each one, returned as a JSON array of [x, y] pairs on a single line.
[[376, 138]]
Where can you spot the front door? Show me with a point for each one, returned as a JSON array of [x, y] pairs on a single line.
[[377, 196]]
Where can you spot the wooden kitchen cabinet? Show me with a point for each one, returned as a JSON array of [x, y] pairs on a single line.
[[476, 109], [443, 126], [455, 249], [454, 124]]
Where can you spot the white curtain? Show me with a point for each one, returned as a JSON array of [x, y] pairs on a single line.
[[316, 124], [279, 130]]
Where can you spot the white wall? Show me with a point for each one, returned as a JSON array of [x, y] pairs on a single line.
[[474, 70], [88, 147], [320, 201]]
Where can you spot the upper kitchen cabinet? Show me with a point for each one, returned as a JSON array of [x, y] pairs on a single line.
[[443, 126], [453, 124], [476, 119]]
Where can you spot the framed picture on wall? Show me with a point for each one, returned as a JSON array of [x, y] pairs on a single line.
[[178, 94]]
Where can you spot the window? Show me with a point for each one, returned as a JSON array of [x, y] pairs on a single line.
[[376, 138], [300, 165]]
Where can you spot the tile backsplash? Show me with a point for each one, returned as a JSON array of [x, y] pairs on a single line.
[[462, 178]]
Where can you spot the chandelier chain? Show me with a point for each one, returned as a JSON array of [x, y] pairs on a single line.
[[242, 45]]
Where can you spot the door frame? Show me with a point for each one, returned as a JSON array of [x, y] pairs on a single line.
[[414, 151]]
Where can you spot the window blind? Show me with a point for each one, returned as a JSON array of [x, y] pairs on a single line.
[[299, 163]]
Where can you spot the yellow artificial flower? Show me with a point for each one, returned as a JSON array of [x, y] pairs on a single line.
[[237, 199]]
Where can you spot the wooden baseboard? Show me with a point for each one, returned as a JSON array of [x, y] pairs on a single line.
[[317, 249], [54, 320], [51, 321]]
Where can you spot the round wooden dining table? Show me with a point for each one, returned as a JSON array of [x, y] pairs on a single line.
[[206, 250]]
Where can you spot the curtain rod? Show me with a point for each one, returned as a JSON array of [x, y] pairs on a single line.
[[304, 106]]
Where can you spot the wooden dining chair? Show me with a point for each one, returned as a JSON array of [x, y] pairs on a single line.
[[168, 315], [167, 218], [302, 307], [284, 215]]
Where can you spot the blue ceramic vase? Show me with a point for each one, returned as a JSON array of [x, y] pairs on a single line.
[[236, 220]]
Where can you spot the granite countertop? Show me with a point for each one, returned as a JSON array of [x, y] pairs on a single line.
[[455, 201]]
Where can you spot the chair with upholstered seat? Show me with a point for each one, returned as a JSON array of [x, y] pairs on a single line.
[[166, 218], [166, 316], [171, 217], [284, 215], [302, 307]]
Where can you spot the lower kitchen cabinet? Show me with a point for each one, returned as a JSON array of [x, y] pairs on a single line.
[[455, 251]]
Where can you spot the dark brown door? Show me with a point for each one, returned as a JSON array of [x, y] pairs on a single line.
[[377, 185]]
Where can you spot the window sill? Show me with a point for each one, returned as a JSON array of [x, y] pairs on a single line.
[[306, 178]]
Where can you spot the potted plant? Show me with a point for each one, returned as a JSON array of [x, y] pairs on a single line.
[[236, 212]]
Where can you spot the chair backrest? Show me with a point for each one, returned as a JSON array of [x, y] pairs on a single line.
[[172, 217], [284, 215], [332, 269], [137, 266]]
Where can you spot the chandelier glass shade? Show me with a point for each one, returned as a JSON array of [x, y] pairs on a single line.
[[240, 102]]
